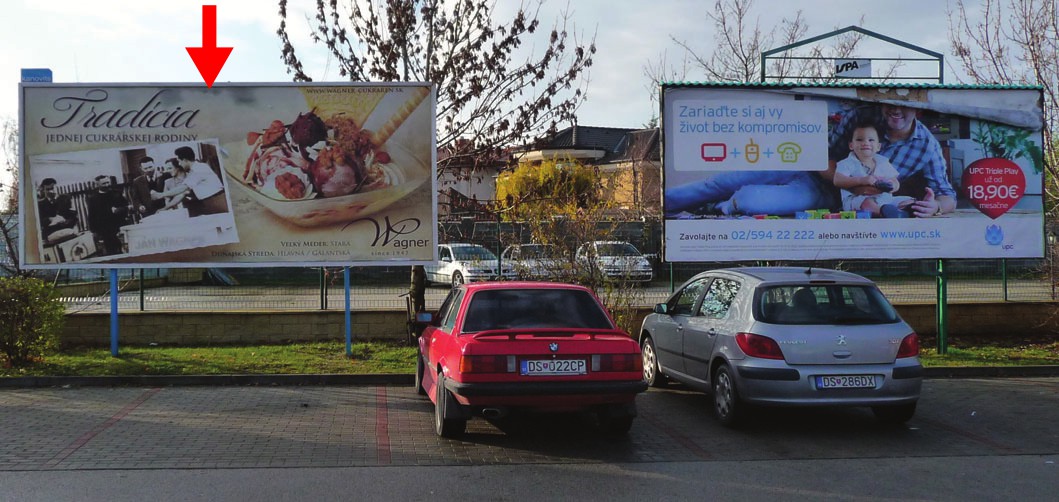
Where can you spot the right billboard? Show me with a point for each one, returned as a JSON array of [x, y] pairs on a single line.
[[779, 172]]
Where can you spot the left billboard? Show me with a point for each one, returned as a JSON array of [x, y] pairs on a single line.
[[179, 175]]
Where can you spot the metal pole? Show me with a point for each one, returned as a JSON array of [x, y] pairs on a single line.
[[349, 321], [323, 288], [141, 290], [1004, 276], [943, 344], [114, 312], [672, 285], [499, 264]]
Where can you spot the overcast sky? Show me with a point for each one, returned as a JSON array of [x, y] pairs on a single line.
[[107, 41]]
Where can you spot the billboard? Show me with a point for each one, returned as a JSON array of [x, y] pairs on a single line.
[[179, 175], [779, 172]]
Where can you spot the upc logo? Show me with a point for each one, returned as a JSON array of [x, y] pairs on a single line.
[[994, 236]]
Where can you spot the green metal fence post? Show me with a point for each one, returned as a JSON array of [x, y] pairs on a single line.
[[1004, 276], [943, 345], [672, 285]]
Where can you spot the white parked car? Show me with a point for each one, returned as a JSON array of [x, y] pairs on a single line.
[[461, 263], [616, 261], [533, 261]]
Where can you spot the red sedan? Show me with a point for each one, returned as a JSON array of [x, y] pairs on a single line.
[[498, 347]]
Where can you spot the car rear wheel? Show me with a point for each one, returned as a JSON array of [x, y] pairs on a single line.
[[444, 425], [726, 402], [894, 415], [420, 369], [652, 373], [457, 279]]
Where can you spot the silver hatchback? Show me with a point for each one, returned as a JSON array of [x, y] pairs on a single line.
[[784, 336]]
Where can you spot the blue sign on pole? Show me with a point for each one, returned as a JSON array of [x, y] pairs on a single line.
[[36, 75]]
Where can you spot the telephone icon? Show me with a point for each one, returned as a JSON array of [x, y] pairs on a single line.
[[789, 152]]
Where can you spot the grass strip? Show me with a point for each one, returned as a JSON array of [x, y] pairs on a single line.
[[379, 358]]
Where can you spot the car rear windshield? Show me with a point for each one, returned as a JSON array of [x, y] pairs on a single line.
[[534, 308], [617, 249], [472, 253], [824, 304], [536, 252]]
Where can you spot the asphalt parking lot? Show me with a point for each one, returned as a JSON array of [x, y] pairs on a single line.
[[390, 425]]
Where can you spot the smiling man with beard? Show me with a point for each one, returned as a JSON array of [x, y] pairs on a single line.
[[913, 151]]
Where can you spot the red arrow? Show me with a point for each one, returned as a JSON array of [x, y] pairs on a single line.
[[209, 58]]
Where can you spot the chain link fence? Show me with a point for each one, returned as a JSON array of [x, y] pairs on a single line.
[[381, 288]]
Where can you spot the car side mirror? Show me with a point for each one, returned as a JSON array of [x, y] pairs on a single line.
[[446, 258], [424, 317], [660, 308]]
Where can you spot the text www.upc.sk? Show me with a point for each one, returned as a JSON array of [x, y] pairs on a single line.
[[911, 234]]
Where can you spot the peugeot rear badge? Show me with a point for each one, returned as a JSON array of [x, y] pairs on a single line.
[[554, 347], [841, 340]]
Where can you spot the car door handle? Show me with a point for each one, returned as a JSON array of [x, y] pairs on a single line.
[[711, 332], [680, 327]]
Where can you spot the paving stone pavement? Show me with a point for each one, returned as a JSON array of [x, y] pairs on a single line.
[[390, 425]]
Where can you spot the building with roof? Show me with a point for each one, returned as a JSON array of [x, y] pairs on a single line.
[[628, 162]]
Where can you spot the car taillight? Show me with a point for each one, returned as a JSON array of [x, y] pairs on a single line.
[[487, 364], [617, 362], [759, 346], [909, 346]]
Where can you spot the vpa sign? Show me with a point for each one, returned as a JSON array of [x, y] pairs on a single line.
[[853, 68]]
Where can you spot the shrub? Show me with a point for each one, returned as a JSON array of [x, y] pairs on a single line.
[[31, 318]]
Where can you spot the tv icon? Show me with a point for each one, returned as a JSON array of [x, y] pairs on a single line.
[[714, 152]]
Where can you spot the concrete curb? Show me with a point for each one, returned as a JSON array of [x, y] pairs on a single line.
[[990, 371], [203, 380], [404, 379]]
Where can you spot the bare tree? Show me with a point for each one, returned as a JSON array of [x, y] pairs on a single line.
[[735, 54], [492, 92], [1014, 42], [9, 192]]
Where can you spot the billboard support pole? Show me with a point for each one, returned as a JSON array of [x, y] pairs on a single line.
[[141, 290], [114, 312], [943, 345], [323, 288], [349, 324]]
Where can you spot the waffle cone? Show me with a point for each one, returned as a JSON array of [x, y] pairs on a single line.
[[348, 101]]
